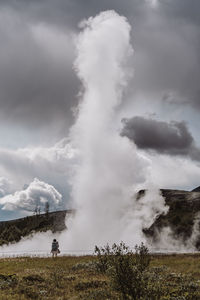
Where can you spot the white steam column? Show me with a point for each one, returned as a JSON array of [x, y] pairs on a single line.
[[110, 167]]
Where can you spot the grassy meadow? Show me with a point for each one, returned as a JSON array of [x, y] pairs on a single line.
[[74, 278]]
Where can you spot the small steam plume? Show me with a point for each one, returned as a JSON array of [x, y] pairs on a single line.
[[110, 167], [167, 241]]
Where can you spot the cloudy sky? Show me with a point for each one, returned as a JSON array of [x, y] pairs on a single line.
[[39, 94]]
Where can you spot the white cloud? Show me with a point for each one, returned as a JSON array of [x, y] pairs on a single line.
[[5, 186], [53, 165], [174, 172], [36, 194], [50, 164]]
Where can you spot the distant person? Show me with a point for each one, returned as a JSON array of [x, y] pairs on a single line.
[[55, 248]]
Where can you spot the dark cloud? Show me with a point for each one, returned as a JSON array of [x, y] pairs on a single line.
[[37, 82], [169, 138], [38, 85], [70, 12], [182, 9], [167, 57]]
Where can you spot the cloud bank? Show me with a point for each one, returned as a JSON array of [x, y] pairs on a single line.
[[50, 164], [35, 195], [38, 86]]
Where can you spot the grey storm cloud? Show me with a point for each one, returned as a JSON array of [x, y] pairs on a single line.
[[38, 86], [171, 138], [37, 83]]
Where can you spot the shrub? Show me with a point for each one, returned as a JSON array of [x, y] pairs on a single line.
[[142, 257], [103, 254], [57, 276], [33, 278], [8, 280], [124, 268], [133, 279]]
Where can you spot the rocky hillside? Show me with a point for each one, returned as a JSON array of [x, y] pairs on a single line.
[[12, 231], [184, 210], [197, 189]]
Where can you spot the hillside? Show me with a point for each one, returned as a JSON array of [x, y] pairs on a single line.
[[184, 207], [12, 231], [196, 189]]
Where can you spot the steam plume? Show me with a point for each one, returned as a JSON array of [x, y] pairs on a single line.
[[110, 168]]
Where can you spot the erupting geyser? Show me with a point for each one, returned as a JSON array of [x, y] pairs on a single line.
[[110, 166]]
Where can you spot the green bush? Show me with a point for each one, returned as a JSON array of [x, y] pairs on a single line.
[[142, 257], [124, 268], [103, 254], [133, 279]]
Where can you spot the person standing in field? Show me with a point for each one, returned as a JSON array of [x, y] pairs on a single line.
[[55, 248]]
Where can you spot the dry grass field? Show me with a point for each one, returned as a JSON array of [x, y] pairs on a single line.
[[74, 278]]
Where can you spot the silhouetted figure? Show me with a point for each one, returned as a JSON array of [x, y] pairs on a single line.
[[55, 248]]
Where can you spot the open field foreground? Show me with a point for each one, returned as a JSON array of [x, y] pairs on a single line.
[[169, 277]]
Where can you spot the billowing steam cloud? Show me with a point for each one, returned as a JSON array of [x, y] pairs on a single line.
[[111, 168], [36, 194]]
